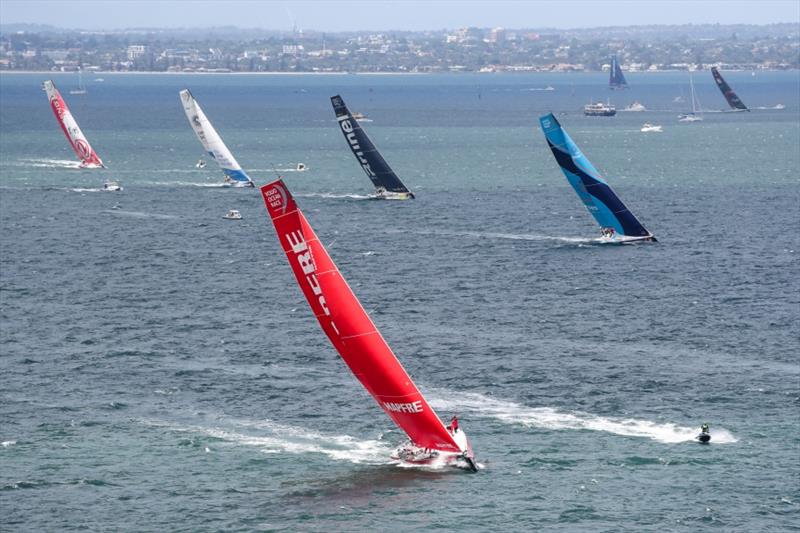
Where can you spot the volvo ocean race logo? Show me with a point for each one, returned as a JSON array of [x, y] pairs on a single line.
[[277, 198], [347, 128]]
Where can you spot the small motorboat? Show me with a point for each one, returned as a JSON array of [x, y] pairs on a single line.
[[112, 186], [636, 107], [200, 164], [647, 127], [361, 117], [232, 214], [301, 167]]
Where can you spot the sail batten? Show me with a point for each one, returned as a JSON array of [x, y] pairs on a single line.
[[211, 141], [371, 161], [76, 138], [731, 97], [598, 197], [349, 328]]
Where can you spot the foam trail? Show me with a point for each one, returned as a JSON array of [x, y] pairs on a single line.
[[273, 438], [549, 418], [139, 214], [506, 236], [51, 163], [331, 195]]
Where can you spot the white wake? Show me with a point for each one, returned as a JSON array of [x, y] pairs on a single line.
[[549, 418], [273, 438]]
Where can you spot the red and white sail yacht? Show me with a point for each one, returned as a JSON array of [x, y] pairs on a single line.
[[358, 341], [76, 138]]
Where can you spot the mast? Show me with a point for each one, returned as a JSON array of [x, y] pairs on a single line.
[[695, 104], [733, 100], [76, 138], [600, 200], [349, 328], [212, 142], [368, 157]]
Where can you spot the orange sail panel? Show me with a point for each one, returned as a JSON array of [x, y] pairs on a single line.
[[349, 327]]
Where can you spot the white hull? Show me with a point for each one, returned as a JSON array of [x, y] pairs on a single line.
[[625, 240], [411, 455], [386, 195]]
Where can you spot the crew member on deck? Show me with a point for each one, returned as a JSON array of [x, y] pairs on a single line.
[[453, 427]]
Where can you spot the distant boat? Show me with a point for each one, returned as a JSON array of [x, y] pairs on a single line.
[[696, 114], [733, 100], [599, 110], [387, 185], [76, 138], [233, 214], [617, 223], [648, 128], [212, 143], [359, 343], [635, 107], [112, 186], [361, 117], [616, 80], [81, 87], [301, 167]]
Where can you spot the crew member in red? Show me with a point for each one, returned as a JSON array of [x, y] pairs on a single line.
[[453, 427]]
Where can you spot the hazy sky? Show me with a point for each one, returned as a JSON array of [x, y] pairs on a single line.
[[334, 15]]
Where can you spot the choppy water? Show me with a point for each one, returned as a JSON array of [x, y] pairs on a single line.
[[161, 371]]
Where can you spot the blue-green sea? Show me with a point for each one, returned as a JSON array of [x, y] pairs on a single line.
[[160, 369]]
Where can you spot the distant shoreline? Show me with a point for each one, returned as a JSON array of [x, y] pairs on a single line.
[[279, 73]]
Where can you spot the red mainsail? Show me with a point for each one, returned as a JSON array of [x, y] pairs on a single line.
[[348, 326]]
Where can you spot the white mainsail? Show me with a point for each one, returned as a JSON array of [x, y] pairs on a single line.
[[212, 142]]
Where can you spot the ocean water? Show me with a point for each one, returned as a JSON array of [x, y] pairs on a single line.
[[162, 371]]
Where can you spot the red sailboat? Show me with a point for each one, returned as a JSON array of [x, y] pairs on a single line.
[[358, 341], [76, 138]]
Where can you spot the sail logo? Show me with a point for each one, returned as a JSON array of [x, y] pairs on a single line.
[[57, 107], [83, 149], [305, 261], [276, 198], [350, 135], [411, 407]]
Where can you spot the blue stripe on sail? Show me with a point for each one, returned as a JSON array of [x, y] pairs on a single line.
[[237, 175], [603, 204]]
